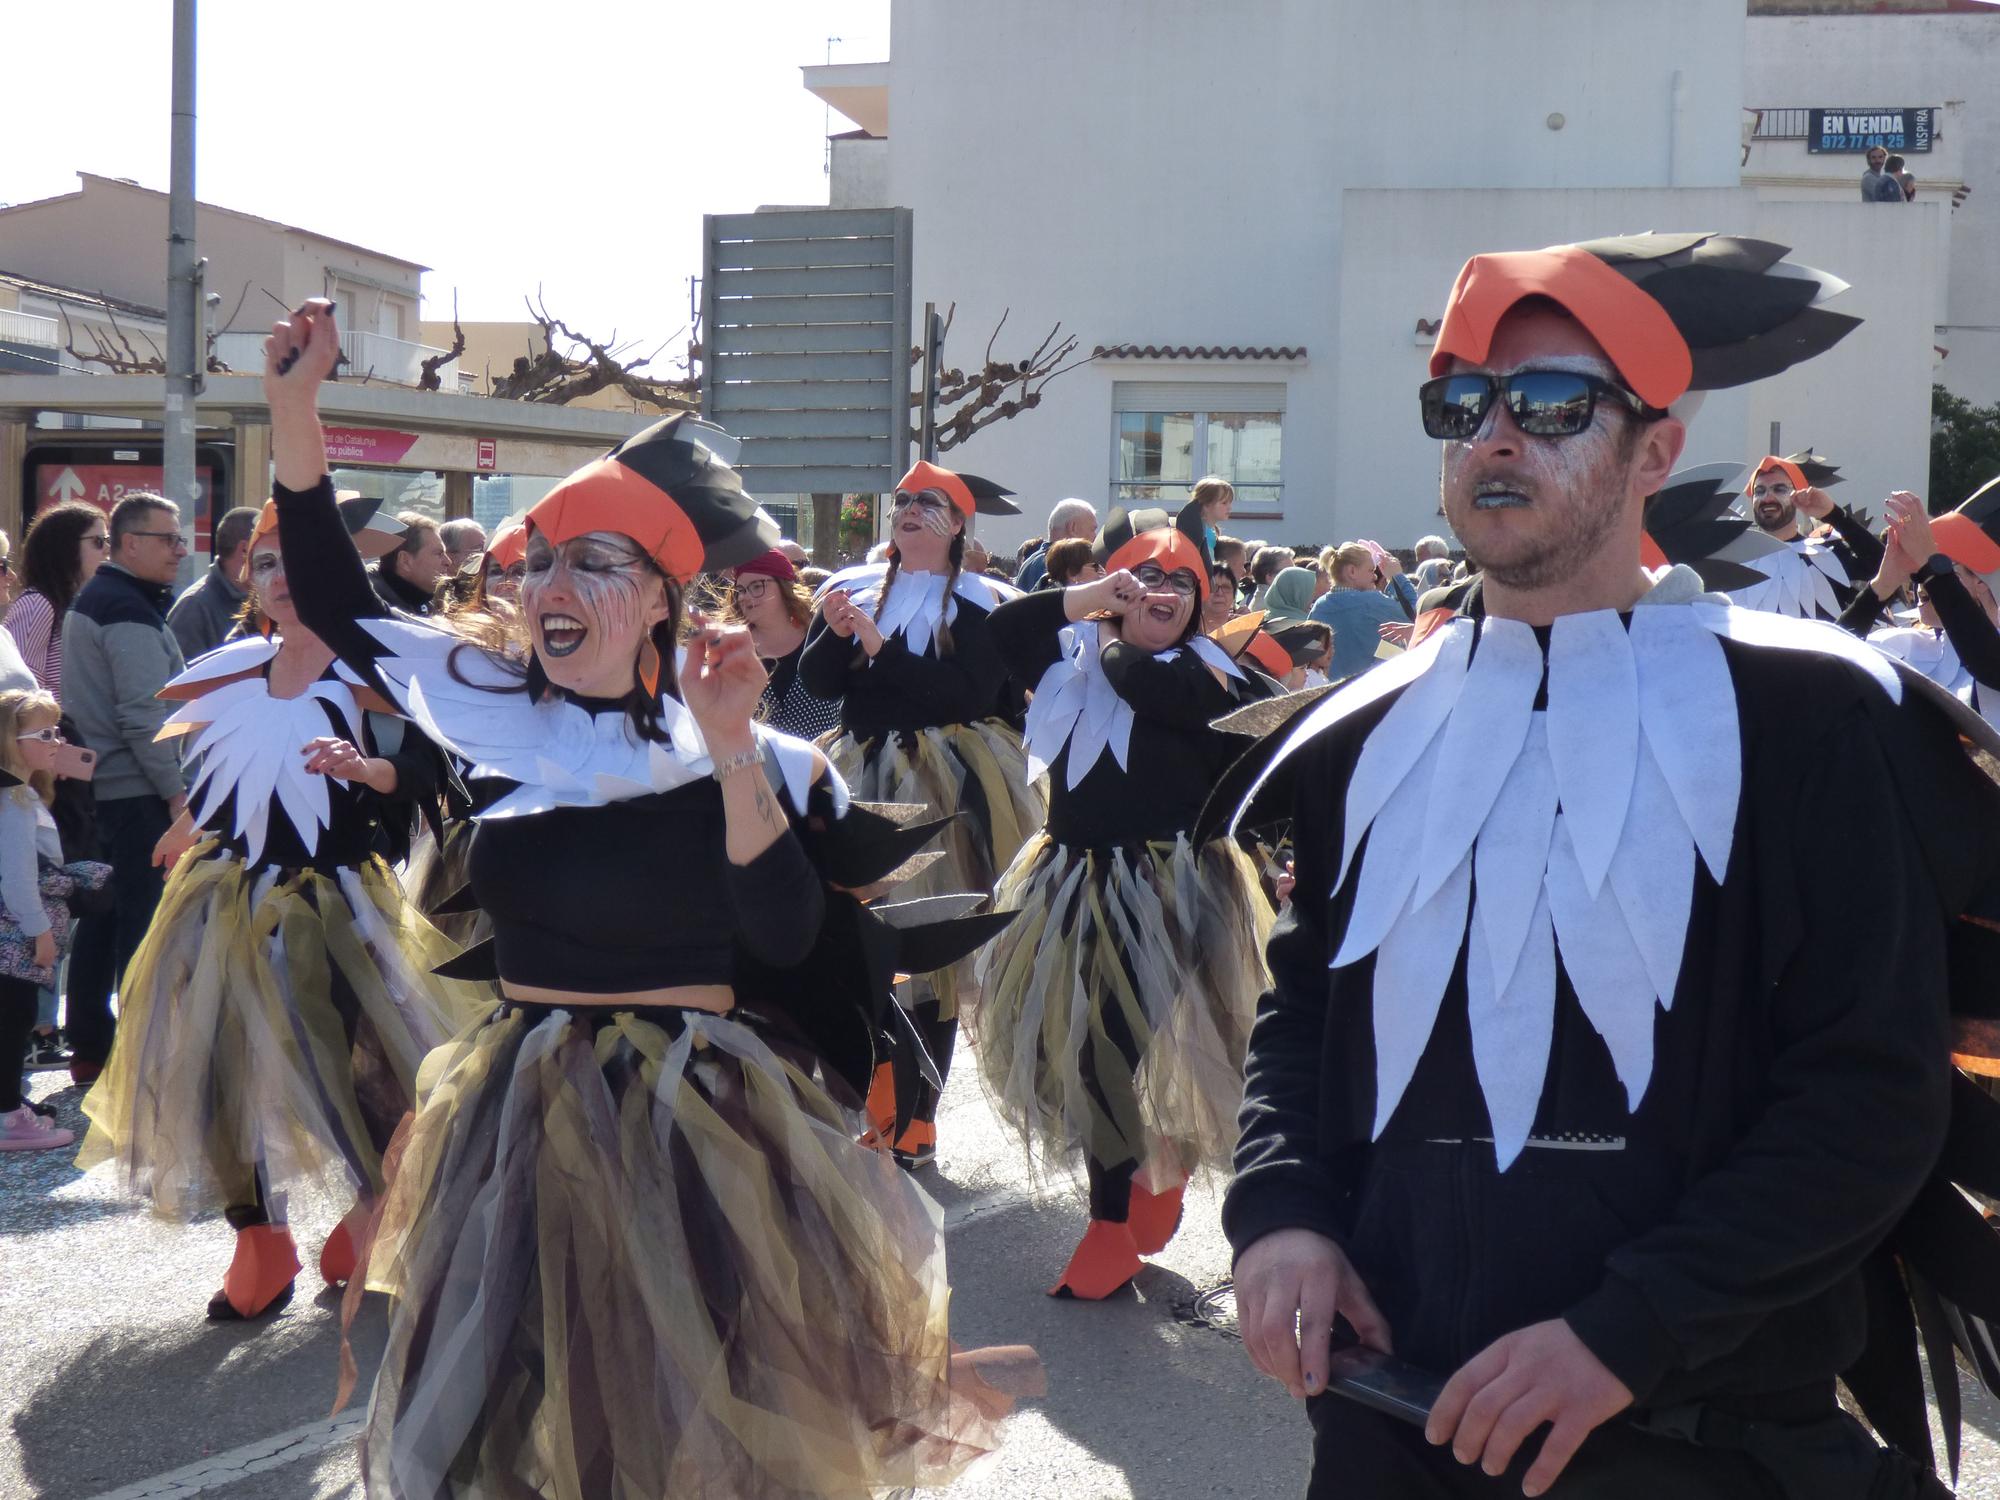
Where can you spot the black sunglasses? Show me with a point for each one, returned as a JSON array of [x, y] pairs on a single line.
[[1543, 403]]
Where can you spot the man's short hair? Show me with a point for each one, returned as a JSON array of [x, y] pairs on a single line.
[[1429, 547], [1068, 513], [417, 527], [461, 534], [1230, 546], [1270, 561], [234, 529], [129, 515], [1893, 164]]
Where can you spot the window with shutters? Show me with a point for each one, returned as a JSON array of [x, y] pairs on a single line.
[[1167, 434]]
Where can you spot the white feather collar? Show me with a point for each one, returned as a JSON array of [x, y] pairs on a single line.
[[1932, 653], [1801, 581], [1076, 705], [247, 742], [916, 600], [561, 754], [1579, 825]]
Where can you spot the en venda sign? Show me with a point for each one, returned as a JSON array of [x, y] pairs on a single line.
[[1906, 130]]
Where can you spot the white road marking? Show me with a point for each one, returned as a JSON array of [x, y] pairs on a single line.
[[316, 1437], [240, 1463]]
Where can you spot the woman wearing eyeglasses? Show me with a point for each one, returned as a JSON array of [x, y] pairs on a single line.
[[62, 551], [765, 594], [1114, 1010], [272, 1020], [907, 648]]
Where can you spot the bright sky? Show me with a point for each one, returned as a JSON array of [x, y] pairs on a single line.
[[573, 145]]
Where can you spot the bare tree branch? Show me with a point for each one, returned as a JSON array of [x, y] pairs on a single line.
[[428, 378], [969, 402]]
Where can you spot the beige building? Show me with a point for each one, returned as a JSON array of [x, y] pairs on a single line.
[[109, 238]]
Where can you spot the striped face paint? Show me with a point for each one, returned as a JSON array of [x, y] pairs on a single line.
[[589, 604]]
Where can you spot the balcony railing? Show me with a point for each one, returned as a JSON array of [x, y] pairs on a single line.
[[385, 358], [26, 328]]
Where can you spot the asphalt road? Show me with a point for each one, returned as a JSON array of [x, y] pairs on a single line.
[[114, 1387]]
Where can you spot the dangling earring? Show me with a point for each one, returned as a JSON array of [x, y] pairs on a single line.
[[649, 667]]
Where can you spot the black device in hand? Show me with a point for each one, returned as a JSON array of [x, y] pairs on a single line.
[[1384, 1383]]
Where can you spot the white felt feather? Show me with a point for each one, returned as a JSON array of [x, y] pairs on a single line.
[[1513, 852], [1512, 1030], [1412, 968], [1604, 966], [1593, 719], [1479, 744], [1687, 678]]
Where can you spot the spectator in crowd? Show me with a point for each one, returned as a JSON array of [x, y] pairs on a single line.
[[1069, 518], [1877, 184], [1290, 597], [1027, 550], [766, 595], [1265, 565], [1219, 606], [28, 744], [1356, 608], [117, 655], [407, 578], [797, 555], [1433, 563], [1233, 553], [1071, 561], [1212, 500], [463, 540], [203, 616], [64, 546]]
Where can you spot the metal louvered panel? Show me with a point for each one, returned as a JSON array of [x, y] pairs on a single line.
[[805, 339]]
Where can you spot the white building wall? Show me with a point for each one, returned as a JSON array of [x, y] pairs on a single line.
[[1172, 172], [1951, 61], [1865, 403]]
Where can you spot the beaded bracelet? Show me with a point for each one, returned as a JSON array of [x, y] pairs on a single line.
[[742, 760]]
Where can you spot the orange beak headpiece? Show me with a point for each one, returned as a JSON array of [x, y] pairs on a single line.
[[376, 533], [968, 493], [1770, 463], [1130, 538], [1674, 312], [509, 546], [1971, 534], [666, 490]]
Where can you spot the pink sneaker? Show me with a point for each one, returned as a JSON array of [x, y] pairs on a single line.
[[24, 1130]]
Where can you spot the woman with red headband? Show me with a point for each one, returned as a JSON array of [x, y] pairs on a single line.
[[908, 649], [1115, 1008], [765, 594], [633, 1244], [272, 1022]]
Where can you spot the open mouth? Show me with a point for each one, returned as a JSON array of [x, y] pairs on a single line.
[[1164, 613], [1498, 497], [562, 634]]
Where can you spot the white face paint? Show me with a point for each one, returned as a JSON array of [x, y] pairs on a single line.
[[267, 584], [922, 526], [1530, 510], [590, 604]]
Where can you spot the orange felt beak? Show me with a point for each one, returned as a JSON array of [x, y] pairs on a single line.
[[1963, 541], [509, 547], [1631, 327], [1269, 655], [1167, 547], [608, 496], [1790, 470], [928, 476], [1650, 555]]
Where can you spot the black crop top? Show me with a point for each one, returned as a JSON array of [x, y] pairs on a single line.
[[633, 895], [1174, 756]]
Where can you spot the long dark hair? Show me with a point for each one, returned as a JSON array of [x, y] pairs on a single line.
[[49, 562]]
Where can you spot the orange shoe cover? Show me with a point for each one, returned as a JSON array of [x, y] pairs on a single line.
[[1105, 1260], [342, 1250], [880, 1108], [259, 1278], [1153, 1218], [918, 1137]]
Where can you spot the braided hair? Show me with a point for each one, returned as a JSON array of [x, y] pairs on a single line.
[[957, 557]]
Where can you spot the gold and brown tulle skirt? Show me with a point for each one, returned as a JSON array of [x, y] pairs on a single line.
[[1114, 1011], [979, 770], [640, 1255], [270, 1029]]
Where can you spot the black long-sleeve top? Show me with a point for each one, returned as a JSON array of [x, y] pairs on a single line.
[[900, 689], [1798, 1096], [1175, 756], [632, 895], [1859, 550], [1972, 635]]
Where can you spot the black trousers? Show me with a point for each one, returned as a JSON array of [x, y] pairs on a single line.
[[18, 1000], [1359, 1454], [127, 830]]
